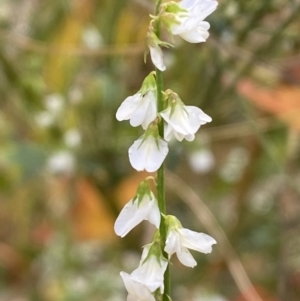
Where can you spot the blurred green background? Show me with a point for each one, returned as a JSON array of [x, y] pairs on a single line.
[[65, 67]]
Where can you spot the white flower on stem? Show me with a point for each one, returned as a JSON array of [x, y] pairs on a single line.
[[136, 290], [141, 108], [149, 276], [189, 21], [182, 121], [149, 151], [152, 268], [180, 239], [157, 57], [142, 207], [154, 45]]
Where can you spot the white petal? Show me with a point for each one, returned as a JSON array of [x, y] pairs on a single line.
[[131, 215], [189, 137], [139, 115], [188, 24], [201, 9], [183, 121], [194, 36], [168, 132], [172, 242], [179, 136], [145, 252], [150, 273], [148, 154], [157, 58], [136, 290], [128, 106], [140, 109], [145, 112], [203, 26], [186, 258], [205, 8], [192, 28], [154, 215], [158, 153], [196, 241], [177, 118], [173, 245], [138, 154], [166, 113], [196, 118], [151, 110], [197, 34], [187, 4]]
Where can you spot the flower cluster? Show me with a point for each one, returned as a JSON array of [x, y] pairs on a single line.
[[181, 122], [184, 19], [149, 151], [148, 278]]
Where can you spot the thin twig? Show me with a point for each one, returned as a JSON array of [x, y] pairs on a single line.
[[145, 4], [205, 216], [241, 129], [245, 55], [26, 43]]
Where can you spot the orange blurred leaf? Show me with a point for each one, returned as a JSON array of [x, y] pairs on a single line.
[[282, 101], [90, 217]]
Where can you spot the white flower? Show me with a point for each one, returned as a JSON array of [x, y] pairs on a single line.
[[202, 161], [44, 119], [148, 152], [72, 138], [61, 162], [136, 290], [157, 57], [179, 240], [92, 38], [191, 26], [154, 44], [141, 108], [54, 103], [149, 276], [182, 121], [142, 207], [151, 270]]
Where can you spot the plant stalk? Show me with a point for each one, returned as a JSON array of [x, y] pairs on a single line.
[[161, 171]]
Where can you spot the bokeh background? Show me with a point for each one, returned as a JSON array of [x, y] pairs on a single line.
[[65, 67]]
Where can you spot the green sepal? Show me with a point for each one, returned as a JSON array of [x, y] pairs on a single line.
[[152, 130], [155, 249], [174, 8], [153, 41], [142, 190], [148, 84], [173, 100], [172, 222], [170, 14]]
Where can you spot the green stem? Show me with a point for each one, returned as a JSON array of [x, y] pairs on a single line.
[[161, 172]]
